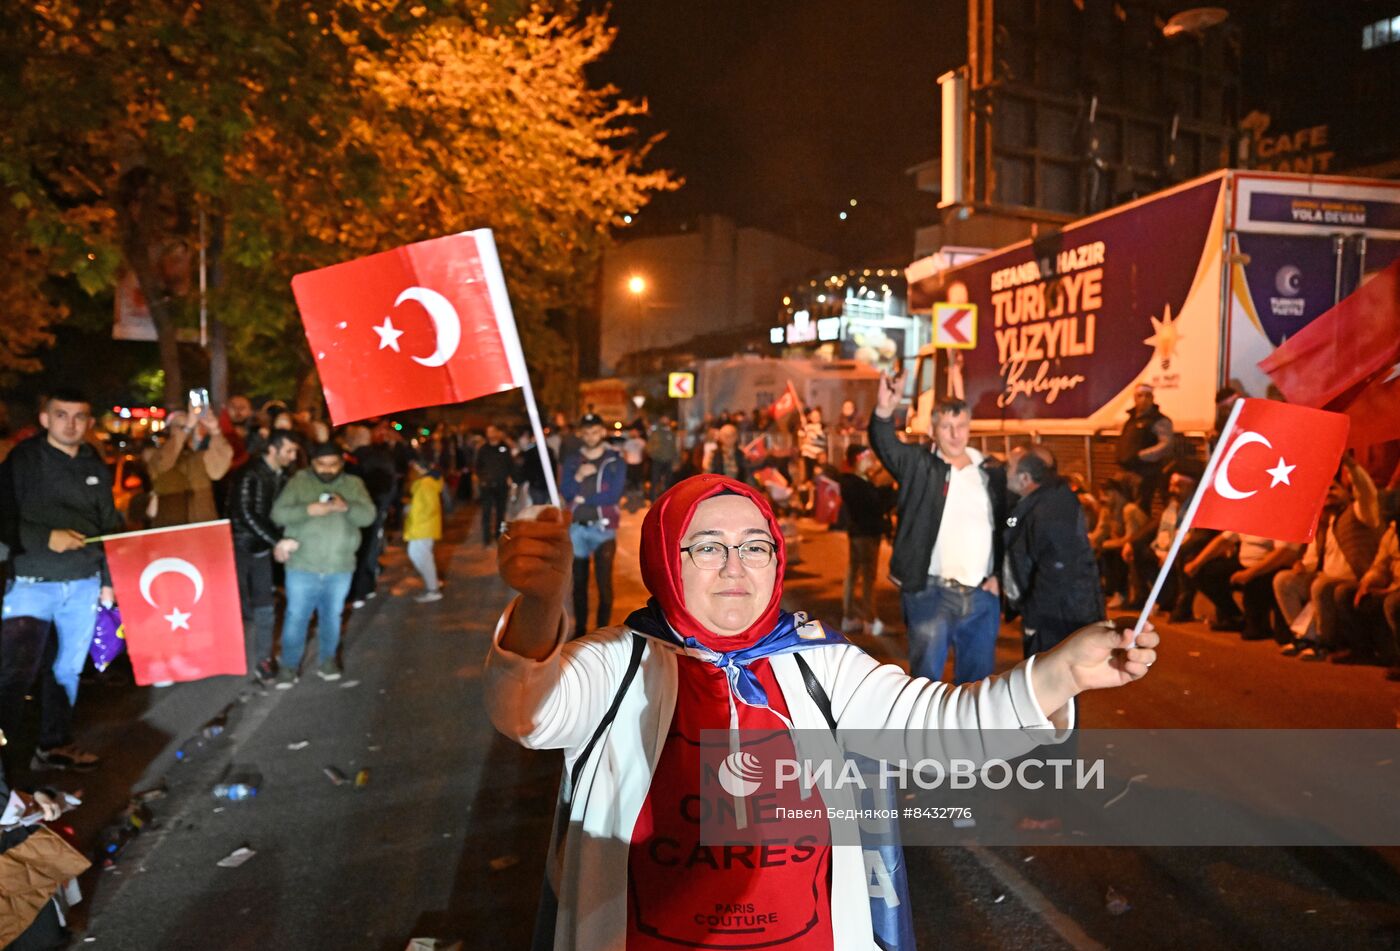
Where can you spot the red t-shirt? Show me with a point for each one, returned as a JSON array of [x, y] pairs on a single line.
[[773, 893]]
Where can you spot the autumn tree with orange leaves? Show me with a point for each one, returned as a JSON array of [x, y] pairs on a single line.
[[305, 133]]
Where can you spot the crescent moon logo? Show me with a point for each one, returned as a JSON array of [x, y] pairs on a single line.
[[1222, 475], [177, 566], [446, 324]]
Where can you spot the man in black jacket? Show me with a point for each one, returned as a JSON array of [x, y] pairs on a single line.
[[257, 540], [373, 462], [947, 549], [1050, 574], [1145, 445], [57, 492], [495, 465]]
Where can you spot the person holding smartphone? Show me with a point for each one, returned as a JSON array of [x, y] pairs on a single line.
[[193, 456], [322, 509]]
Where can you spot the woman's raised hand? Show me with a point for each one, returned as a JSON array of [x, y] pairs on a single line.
[[536, 558], [1093, 657]]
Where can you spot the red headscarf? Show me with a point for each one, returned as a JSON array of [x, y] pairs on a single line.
[[663, 531]]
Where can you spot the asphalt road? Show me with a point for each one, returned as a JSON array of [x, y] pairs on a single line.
[[447, 838]]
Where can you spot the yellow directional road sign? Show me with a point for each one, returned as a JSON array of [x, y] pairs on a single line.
[[955, 326], [681, 386]]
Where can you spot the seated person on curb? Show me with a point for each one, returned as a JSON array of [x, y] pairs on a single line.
[[1148, 550], [1120, 521], [1348, 535], [1368, 613], [1246, 563]]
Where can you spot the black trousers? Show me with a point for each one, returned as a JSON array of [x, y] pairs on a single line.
[[366, 577], [1262, 617], [1179, 588], [602, 571], [28, 647], [257, 600], [493, 509]]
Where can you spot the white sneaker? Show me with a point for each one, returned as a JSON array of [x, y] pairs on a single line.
[[163, 683], [850, 625], [428, 596], [357, 604], [875, 628]]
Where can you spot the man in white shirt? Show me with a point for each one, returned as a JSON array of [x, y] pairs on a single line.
[[947, 549]]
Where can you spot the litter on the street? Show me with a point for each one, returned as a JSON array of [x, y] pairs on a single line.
[[334, 775], [236, 858], [298, 745]]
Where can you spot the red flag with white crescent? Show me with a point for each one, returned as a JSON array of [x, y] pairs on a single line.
[[422, 325], [787, 403], [178, 591], [1272, 472]]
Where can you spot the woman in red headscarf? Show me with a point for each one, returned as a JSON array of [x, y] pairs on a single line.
[[713, 650]]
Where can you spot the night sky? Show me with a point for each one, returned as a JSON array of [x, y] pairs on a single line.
[[777, 113]]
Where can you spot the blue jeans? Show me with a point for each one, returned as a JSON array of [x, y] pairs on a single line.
[[71, 606], [967, 618], [310, 593]]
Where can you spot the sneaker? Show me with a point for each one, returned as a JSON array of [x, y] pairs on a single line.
[[357, 604], [1312, 653], [850, 625], [286, 678], [1228, 626], [265, 671], [1290, 649], [330, 670], [875, 628], [163, 683], [65, 757], [427, 597]]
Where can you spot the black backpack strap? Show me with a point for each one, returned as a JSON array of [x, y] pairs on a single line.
[[815, 691], [638, 645]]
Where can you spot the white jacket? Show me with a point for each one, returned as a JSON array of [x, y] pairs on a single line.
[[558, 702]]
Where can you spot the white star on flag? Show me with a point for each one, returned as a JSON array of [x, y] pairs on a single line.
[[388, 335], [1280, 473], [178, 619]]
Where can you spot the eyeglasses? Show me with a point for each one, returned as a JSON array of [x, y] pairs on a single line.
[[707, 556]]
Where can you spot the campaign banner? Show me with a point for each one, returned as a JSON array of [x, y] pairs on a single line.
[[1307, 204], [1332, 212], [1069, 323]]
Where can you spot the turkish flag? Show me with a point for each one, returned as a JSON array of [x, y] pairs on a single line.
[[426, 324], [1270, 471], [178, 591], [1348, 345], [757, 449], [784, 404]]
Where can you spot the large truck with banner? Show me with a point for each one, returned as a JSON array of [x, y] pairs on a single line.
[[747, 382], [1187, 289]]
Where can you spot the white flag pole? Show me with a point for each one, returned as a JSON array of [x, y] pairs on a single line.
[[1184, 525], [515, 356]]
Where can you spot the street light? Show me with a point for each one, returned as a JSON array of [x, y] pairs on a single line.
[[637, 285]]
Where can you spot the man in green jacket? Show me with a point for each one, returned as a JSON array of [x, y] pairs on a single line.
[[322, 509]]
